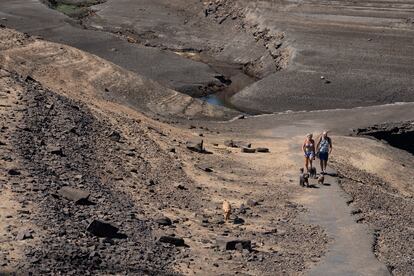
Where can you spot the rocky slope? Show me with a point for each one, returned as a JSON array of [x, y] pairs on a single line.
[[144, 203]]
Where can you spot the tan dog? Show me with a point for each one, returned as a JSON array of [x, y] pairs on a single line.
[[321, 179], [226, 210]]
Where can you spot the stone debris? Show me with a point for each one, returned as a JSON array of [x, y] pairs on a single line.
[[252, 203], [234, 244], [196, 146], [263, 150], [172, 240], [164, 221], [248, 150], [102, 229], [24, 235], [115, 136], [14, 172], [56, 151], [77, 195], [237, 144], [204, 167]]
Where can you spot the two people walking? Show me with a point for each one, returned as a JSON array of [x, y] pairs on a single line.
[[322, 149]]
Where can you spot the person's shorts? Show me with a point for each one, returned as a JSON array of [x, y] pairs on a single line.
[[323, 156], [310, 154]]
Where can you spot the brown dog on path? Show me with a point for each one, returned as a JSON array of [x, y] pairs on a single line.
[[226, 210]]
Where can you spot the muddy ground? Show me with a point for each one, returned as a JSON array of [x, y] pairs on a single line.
[[258, 56]]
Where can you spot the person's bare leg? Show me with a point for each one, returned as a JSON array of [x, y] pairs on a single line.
[[325, 163], [321, 163], [306, 164]]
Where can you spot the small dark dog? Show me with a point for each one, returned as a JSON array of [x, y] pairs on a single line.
[[303, 178], [312, 172]]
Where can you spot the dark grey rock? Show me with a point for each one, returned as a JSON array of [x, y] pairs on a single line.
[[115, 136], [237, 144], [204, 167], [102, 229], [180, 187], [172, 240], [238, 220], [14, 172], [233, 244], [165, 221], [263, 150], [248, 150], [56, 151]]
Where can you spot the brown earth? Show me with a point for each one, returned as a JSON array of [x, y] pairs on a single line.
[[57, 97], [134, 181]]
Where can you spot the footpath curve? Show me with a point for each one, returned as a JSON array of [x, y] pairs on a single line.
[[350, 252]]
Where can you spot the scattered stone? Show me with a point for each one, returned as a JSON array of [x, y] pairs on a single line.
[[14, 172], [172, 240], [164, 221], [180, 187], [251, 203], [232, 244], [196, 146], [238, 220], [151, 182], [115, 136], [248, 150], [56, 151], [24, 235], [237, 144], [76, 195], [102, 229], [229, 143], [263, 150], [204, 167]]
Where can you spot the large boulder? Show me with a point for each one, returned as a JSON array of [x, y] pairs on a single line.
[[233, 244], [172, 240], [76, 195], [102, 229]]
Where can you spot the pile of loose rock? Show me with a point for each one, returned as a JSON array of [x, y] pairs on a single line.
[[86, 224]]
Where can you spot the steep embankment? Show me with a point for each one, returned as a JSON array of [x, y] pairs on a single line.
[[59, 67]]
